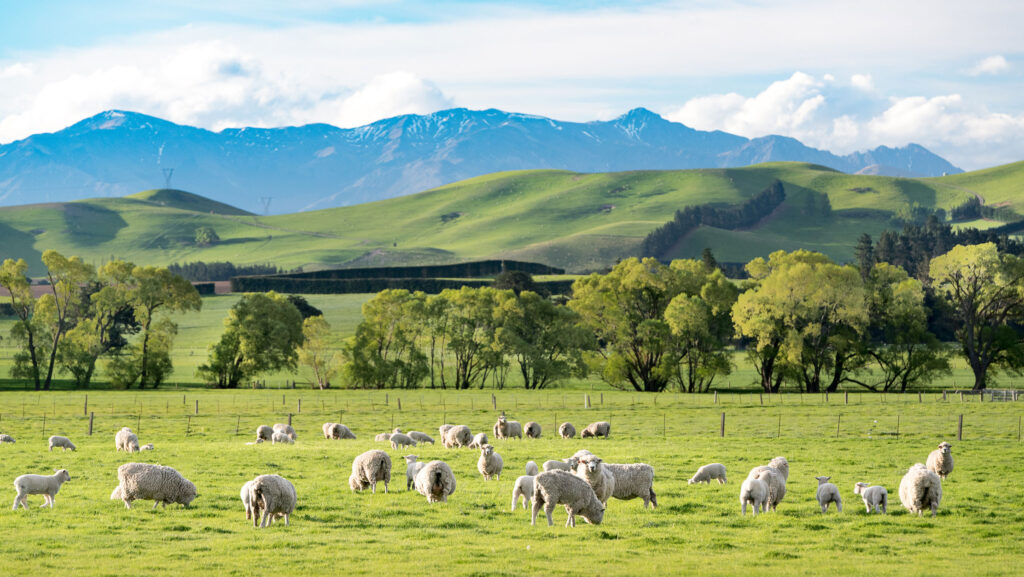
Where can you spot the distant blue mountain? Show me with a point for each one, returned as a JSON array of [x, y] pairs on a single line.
[[319, 166]]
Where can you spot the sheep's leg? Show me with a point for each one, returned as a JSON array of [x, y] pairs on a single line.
[[373, 487], [385, 487], [549, 508], [127, 504], [839, 506], [654, 498], [17, 501], [515, 500], [286, 519], [935, 508], [743, 508], [266, 519], [534, 509], [155, 503]]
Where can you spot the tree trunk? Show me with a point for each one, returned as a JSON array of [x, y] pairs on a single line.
[[145, 351]]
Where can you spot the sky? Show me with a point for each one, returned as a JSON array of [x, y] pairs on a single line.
[[838, 75]]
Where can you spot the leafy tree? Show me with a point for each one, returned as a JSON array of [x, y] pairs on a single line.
[[473, 323], [158, 290], [436, 320], [546, 339], [516, 281], [26, 330], [58, 309], [206, 236], [709, 258], [305, 309], [383, 352], [126, 367], [986, 290], [316, 353], [261, 334], [864, 254]]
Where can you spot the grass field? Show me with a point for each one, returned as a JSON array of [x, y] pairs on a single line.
[[696, 528]]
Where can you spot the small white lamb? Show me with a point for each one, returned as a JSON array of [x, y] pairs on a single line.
[[479, 440], [282, 437], [523, 488], [412, 467], [490, 463], [875, 497], [531, 468], [63, 442], [755, 492], [46, 485], [940, 461], [401, 440], [708, 472], [828, 493]]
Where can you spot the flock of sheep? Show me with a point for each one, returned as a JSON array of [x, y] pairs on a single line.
[[582, 483]]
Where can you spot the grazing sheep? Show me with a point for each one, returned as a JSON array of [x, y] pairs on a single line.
[[457, 436], [561, 488], [282, 437], [490, 463], [444, 429], [775, 482], [598, 429], [755, 492], [708, 472], [566, 430], [780, 464], [479, 440], [874, 496], [63, 442], [368, 469], [275, 496], [145, 481], [286, 429], [246, 499], [46, 485], [264, 433], [531, 468], [532, 430], [593, 471], [401, 440], [632, 481], [553, 465], [940, 461], [328, 429], [126, 440], [505, 429], [523, 488], [146, 447], [382, 437], [420, 437], [435, 481], [6, 438], [412, 466], [920, 490], [828, 493], [337, 431]]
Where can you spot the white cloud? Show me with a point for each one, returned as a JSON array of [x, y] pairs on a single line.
[[991, 65], [390, 95], [863, 82], [15, 70]]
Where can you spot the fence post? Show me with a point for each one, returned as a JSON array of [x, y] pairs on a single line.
[[85, 408], [602, 398], [586, 401], [197, 406], [91, 415], [778, 435], [897, 427], [960, 428], [664, 426], [839, 420], [44, 423], [300, 407], [188, 426], [847, 397], [386, 400], [721, 430], [238, 421], [138, 423], [400, 403], [761, 396], [920, 399], [494, 402], [716, 400], [289, 419]]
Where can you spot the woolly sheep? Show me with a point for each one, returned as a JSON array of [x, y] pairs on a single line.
[[479, 440], [368, 469], [282, 437], [126, 440], [264, 433], [382, 437], [581, 454], [532, 430], [780, 464], [598, 429], [523, 488], [145, 481], [401, 440], [920, 490], [505, 429], [828, 493], [420, 437], [775, 482], [632, 481], [246, 499], [561, 488], [444, 429], [593, 471], [708, 472], [412, 466], [435, 481], [566, 430], [755, 492], [553, 465], [63, 442], [45, 485], [275, 496], [6, 438], [286, 429], [457, 436], [490, 463], [531, 468], [875, 497], [940, 461], [146, 447], [337, 431], [328, 429]]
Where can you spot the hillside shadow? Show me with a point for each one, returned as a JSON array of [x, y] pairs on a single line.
[[18, 244], [90, 225]]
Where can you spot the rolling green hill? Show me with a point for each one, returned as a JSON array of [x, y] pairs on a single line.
[[576, 221]]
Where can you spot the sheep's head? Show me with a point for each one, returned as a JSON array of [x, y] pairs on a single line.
[[410, 459], [573, 462], [593, 516], [62, 475], [487, 450], [502, 419], [397, 430], [822, 480], [858, 489], [355, 483], [593, 464], [945, 447]]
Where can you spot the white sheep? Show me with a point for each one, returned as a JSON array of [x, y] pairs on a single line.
[[328, 429], [780, 464], [45, 485], [247, 499], [490, 463], [875, 497], [457, 436], [286, 429], [755, 492], [593, 471], [706, 473], [340, 431], [828, 493], [598, 429], [412, 466], [531, 468], [368, 469], [146, 447], [921, 490], [479, 440], [126, 440], [145, 481], [940, 461], [632, 481], [275, 496], [775, 482], [420, 437], [532, 430], [435, 481], [63, 442], [444, 429], [4, 438], [382, 437], [264, 433], [506, 429], [523, 488], [401, 440], [553, 488], [282, 437], [552, 465], [566, 430]]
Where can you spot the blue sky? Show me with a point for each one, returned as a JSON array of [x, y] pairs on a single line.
[[838, 75]]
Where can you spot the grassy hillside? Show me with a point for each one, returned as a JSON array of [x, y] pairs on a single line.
[[577, 221]]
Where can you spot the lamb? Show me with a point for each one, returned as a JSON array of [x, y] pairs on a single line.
[[755, 492], [420, 437], [126, 440], [532, 430], [401, 440], [146, 447], [435, 481], [368, 469], [145, 481], [561, 488], [523, 488], [46, 485], [921, 489], [246, 499], [874, 496], [412, 466], [490, 463], [566, 430], [63, 442], [598, 429], [286, 429], [264, 433], [328, 429], [479, 440], [457, 436], [593, 471], [444, 429], [940, 461], [382, 437], [274, 495], [775, 482], [632, 481], [828, 493], [6, 438], [505, 429], [282, 437], [708, 472], [531, 468]]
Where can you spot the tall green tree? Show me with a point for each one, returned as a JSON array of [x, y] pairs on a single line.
[[316, 352], [546, 340], [26, 330], [158, 290], [384, 353], [59, 308], [473, 325]]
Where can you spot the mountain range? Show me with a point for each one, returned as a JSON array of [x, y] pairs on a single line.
[[280, 170]]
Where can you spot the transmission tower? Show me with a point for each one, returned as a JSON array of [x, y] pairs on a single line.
[[266, 204], [168, 173]]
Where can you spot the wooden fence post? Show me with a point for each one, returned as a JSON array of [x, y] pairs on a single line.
[[197, 406], [960, 428], [238, 421], [721, 430], [91, 415], [289, 419], [85, 408], [839, 420]]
